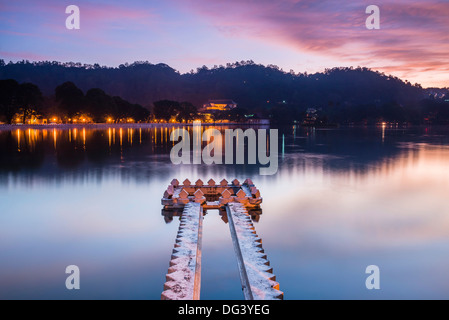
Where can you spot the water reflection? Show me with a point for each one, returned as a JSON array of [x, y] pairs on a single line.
[[78, 154], [79, 151], [342, 199]]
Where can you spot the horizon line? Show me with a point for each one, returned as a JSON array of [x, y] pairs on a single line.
[[226, 67]]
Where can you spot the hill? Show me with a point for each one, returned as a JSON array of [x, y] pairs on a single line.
[[342, 94]]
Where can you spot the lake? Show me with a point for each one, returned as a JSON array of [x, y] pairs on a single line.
[[341, 200]]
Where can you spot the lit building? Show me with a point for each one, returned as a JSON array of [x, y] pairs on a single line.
[[219, 105]]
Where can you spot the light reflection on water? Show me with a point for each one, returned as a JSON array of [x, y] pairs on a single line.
[[342, 199]]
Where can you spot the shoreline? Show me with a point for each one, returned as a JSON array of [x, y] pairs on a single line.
[[119, 125], [178, 125]]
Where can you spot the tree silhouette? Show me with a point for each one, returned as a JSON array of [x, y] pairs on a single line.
[[99, 104], [186, 111], [340, 94], [127, 110], [165, 109], [8, 99], [29, 99], [70, 97]]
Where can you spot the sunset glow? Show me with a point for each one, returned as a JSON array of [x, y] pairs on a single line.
[[305, 36]]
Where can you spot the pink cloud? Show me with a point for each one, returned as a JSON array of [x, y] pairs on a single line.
[[413, 42], [413, 37], [7, 55]]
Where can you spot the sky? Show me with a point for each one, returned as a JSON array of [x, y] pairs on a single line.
[[300, 35]]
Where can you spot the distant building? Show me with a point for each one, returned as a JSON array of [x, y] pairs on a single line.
[[311, 117], [219, 105]]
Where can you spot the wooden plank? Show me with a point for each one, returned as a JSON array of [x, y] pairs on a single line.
[[257, 278], [183, 280], [246, 287]]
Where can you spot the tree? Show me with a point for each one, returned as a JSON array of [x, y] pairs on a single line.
[[29, 98], [99, 104], [123, 108], [8, 99], [126, 109], [140, 113], [70, 98], [357, 94], [165, 109], [187, 111]]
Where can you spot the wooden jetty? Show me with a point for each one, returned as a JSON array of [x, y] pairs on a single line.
[[183, 280]]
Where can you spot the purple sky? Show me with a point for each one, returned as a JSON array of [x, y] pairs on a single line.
[[302, 35]]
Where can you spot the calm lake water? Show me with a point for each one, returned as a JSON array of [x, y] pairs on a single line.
[[341, 200]]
